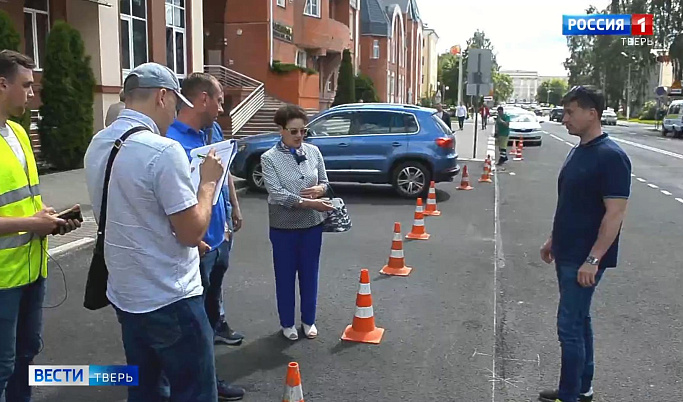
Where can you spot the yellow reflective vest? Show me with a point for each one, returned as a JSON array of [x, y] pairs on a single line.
[[23, 256]]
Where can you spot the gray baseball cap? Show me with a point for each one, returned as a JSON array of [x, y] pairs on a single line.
[[154, 75]]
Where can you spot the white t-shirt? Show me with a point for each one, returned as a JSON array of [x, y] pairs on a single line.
[[13, 142], [461, 111], [148, 267]]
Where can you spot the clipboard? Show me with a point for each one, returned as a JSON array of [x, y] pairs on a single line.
[[225, 150]]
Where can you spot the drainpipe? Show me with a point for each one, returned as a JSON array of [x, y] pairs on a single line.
[[270, 29]]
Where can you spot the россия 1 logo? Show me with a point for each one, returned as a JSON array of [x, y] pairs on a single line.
[[608, 24]]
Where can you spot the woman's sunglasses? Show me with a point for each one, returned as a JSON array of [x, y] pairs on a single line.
[[295, 131]]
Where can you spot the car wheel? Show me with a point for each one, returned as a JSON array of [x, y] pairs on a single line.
[[411, 179], [255, 176], [664, 133]]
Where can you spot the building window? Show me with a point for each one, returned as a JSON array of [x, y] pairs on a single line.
[[281, 3], [301, 58], [375, 49], [312, 8], [388, 86], [176, 50], [36, 27], [133, 33]]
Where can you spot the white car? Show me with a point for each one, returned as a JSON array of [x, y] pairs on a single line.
[[609, 118], [525, 125]]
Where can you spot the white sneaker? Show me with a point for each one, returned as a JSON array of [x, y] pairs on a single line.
[[290, 333], [310, 330]]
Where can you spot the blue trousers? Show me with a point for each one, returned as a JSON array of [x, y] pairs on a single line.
[[575, 332], [178, 340], [21, 323], [213, 267], [296, 252]]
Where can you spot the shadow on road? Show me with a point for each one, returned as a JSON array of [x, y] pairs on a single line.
[[264, 354], [343, 345]]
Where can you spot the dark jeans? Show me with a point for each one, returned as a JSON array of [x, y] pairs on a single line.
[[213, 267], [575, 332], [176, 339], [21, 322], [296, 252], [461, 122]]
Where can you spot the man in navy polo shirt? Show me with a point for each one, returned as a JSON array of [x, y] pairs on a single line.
[[207, 94], [593, 189]]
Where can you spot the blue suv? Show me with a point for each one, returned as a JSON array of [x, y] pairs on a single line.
[[403, 145]]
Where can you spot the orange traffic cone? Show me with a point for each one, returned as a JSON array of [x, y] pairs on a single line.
[[486, 176], [514, 149], [520, 146], [431, 209], [397, 262], [363, 328], [293, 391], [418, 231], [465, 182]]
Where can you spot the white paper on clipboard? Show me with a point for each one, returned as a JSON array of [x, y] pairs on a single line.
[[225, 150]]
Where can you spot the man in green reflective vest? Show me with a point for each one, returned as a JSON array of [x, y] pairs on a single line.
[[24, 224]]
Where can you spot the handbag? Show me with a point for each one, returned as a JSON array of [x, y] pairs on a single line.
[[96, 285], [338, 220]]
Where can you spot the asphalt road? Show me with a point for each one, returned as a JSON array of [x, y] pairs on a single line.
[[479, 301]]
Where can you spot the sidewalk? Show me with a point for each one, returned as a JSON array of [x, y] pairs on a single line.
[[465, 140], [65, 189]]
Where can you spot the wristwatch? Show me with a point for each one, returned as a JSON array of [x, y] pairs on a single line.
[[592, 260]]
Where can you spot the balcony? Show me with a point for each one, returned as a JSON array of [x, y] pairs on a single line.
[[325, 34]]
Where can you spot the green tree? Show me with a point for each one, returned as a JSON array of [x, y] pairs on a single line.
[[551, 91], [67, 93], [346, 86], [447, 75], [10, 40], [365, 89], [502, 87]]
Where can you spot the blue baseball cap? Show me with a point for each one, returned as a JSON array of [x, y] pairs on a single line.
[[154, 75]]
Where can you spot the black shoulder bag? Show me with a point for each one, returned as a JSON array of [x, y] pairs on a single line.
[[96, 286]]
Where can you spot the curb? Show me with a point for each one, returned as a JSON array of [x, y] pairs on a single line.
[[70, 247]]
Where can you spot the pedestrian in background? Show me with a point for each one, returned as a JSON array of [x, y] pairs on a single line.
[[593, 190], [157, 221], [295, 177], [484, 112], [502, 135], [206, 94], [24, 224], [461, 114], [444, 115], [115, 109]]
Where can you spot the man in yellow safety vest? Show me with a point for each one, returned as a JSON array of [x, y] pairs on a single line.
[[24, 223]]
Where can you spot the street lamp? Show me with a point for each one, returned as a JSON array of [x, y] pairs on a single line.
[[443, 95], [628, 86]]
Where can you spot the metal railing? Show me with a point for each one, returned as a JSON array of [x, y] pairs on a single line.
[[245, 110]]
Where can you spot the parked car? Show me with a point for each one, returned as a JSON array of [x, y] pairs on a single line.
[[524, 125], [557, 114], [609, 118], [673, 121], [402, 145]]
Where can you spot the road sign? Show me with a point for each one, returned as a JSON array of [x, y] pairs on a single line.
[[488, 98], [676, 88], [660, 91], [479, 67]]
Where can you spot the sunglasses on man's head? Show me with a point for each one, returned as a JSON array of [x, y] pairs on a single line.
[[295, 131], [583, 90]]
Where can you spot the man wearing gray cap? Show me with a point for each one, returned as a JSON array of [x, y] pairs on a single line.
[[154, 222]]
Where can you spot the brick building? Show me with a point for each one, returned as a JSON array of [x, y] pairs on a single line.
[[248, 36], [391, 48], [118, 35]]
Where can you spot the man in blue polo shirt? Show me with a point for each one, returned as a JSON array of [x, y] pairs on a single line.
[[207, 94], [593, 190]]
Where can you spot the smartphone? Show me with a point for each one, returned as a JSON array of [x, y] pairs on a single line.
[[73, 213]]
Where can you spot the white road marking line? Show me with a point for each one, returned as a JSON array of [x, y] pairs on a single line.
[[649, 148], [498, 260], [653, 186], [556, 137], [569, 143], [632, 175], [680, 200], [641, 180], [666, 192], [71, 246]]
